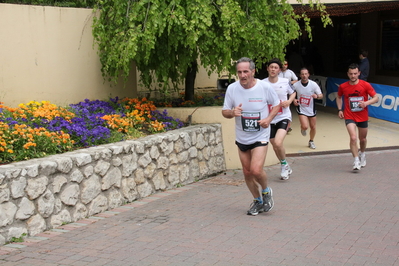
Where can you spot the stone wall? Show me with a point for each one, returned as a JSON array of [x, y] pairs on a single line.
[[40, 194]]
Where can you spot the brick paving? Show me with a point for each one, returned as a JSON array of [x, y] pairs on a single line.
[[324, 215]]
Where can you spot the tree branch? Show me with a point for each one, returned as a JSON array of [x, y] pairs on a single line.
[[146, 15]]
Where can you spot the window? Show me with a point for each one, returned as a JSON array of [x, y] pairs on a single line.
[[389, 59], [346, 48]]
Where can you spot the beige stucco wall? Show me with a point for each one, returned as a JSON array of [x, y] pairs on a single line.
[[47, 54], [202, 81]]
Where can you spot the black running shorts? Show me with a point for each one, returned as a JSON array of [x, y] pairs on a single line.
[[244, 147], [364, 124], [283, 124]]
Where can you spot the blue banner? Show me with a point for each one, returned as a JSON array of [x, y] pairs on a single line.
[[332, 90], [388, 99]]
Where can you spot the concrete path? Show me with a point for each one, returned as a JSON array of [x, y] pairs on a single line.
[[326, 214], [332, 136]]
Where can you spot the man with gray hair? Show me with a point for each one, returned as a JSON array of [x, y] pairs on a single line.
[[247, 101]]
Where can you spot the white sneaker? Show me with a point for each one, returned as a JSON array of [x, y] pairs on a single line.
[[356, 164], [312, 145], [303, 132], [285, 171], [362, 156]]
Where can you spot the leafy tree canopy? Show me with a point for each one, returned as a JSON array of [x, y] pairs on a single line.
[[165, 38], [59, 3]]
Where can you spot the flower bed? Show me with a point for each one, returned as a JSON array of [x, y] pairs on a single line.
[[38, 129]]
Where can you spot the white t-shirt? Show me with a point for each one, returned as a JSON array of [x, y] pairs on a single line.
[[288, 74], [304, 95], [255, 105], [283, 88]]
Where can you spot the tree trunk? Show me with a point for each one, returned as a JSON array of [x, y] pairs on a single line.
[[190, 80]]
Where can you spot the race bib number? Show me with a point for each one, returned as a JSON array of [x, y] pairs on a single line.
[[280, 111], [354, 103], [304, 100], [249, 121]]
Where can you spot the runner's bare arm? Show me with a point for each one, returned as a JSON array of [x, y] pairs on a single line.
[[273, 112], [287, 103], [236, 111], [339, 105], [373, 100]]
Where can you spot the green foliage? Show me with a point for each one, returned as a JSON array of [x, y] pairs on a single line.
[[163, 37], [18, 239]]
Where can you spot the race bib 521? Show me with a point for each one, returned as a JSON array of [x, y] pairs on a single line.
[[249, 121]]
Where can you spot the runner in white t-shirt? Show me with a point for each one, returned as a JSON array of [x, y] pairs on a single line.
[[248, 101], [282, 120], [306, 92], [291, 76], [287, 73]]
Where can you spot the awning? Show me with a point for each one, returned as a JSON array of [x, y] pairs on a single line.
[[336, 10]]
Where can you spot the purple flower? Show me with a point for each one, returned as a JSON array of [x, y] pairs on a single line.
[[169, 122]]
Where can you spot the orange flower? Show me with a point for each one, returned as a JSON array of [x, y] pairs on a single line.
[[29, 144]]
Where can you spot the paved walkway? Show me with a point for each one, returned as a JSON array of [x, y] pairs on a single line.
[[332, 136], [324, 215]]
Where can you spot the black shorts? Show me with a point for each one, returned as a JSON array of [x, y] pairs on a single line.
[[364, 124], [283, 124], [310, 116], [244, 147]]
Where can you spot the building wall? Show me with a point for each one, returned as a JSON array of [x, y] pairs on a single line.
[[368, 38], [203, 82], [48, 54]]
